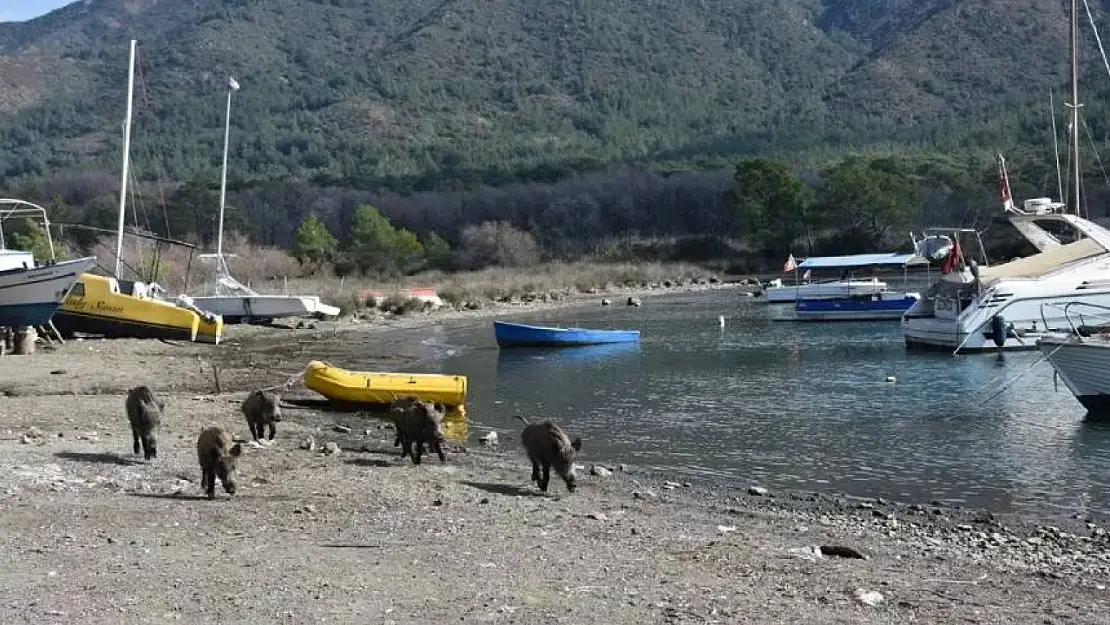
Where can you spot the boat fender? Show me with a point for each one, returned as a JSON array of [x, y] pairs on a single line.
[[998, 330]]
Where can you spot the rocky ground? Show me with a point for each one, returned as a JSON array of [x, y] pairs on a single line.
[[350, 533]]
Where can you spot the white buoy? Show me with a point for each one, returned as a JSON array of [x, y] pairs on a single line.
[[721, 320], [891, 379]]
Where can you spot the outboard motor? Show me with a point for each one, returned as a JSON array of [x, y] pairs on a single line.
[[998, 330]]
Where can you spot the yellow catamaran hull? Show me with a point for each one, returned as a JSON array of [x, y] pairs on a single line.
[[96, 306]]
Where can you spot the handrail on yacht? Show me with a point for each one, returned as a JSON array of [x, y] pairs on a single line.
[[1066, 309]]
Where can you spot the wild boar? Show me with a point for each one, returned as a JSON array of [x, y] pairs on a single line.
[[144, 413], [218, 457], [262, 409], [549, 446], [397, 409], [418, 423]]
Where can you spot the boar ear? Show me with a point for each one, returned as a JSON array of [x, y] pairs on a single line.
[[236, 449], [577, 443]]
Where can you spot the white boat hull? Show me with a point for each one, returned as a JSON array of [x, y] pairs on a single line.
[[970, 331], [30, 297], [236, 308], [1084, 366], [788, 294]]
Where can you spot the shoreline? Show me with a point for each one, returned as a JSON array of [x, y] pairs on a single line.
[[239, 369], [361, 534]]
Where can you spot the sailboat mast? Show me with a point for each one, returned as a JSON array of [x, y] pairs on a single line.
[[1075, 103], [126, 159], [1055, 145], [220, 266]]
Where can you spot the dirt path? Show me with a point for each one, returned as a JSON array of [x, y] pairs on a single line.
[[90, 534]]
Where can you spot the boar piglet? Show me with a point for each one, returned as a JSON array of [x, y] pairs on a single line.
[[549, 446], [218, 455], [262, 409], [144, 413], [418, 423]]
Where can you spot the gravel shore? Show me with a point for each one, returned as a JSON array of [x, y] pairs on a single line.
[[350, 533]]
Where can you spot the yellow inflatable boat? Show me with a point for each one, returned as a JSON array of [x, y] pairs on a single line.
[[377, 390], [382, 388]]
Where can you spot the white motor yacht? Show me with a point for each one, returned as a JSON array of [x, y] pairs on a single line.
[[978, 307]]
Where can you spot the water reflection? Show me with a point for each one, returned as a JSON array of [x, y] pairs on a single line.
[[807, 406], [509, 360]]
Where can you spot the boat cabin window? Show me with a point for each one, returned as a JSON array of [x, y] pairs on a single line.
[[78, 289]]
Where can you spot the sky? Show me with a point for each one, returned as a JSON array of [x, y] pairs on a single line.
[[20, 10]]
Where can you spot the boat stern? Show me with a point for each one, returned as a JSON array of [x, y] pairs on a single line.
[[210, 330]]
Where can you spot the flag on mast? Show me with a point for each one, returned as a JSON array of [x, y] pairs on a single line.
[[232, 84], [790, 265]]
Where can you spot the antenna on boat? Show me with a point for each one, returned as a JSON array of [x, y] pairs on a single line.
[[126, 159]]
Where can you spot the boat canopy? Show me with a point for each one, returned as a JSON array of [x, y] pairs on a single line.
[[889, 259]]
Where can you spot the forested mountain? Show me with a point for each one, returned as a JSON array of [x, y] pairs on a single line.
[[591, 117], [433, 93]]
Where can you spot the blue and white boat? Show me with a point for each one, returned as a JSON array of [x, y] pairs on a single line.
[[875, 306], [29, 294], [524, 335]]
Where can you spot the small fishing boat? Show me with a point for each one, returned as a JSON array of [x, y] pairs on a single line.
[[875, 306], [524, 335], [379, 389]]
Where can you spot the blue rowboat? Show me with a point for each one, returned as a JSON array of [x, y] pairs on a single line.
[[523, 335]]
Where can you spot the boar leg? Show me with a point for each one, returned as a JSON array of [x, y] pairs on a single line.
[[273, 430], [135, 435], [546, 476], [208, 483]]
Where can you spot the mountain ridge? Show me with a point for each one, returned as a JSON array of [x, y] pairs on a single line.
[[376, 89]]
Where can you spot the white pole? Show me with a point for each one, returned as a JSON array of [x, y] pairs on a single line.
[[221, 268], [126, 159], [1075, 102]]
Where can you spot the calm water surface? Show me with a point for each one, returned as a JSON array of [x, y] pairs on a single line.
[[803, 405]]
